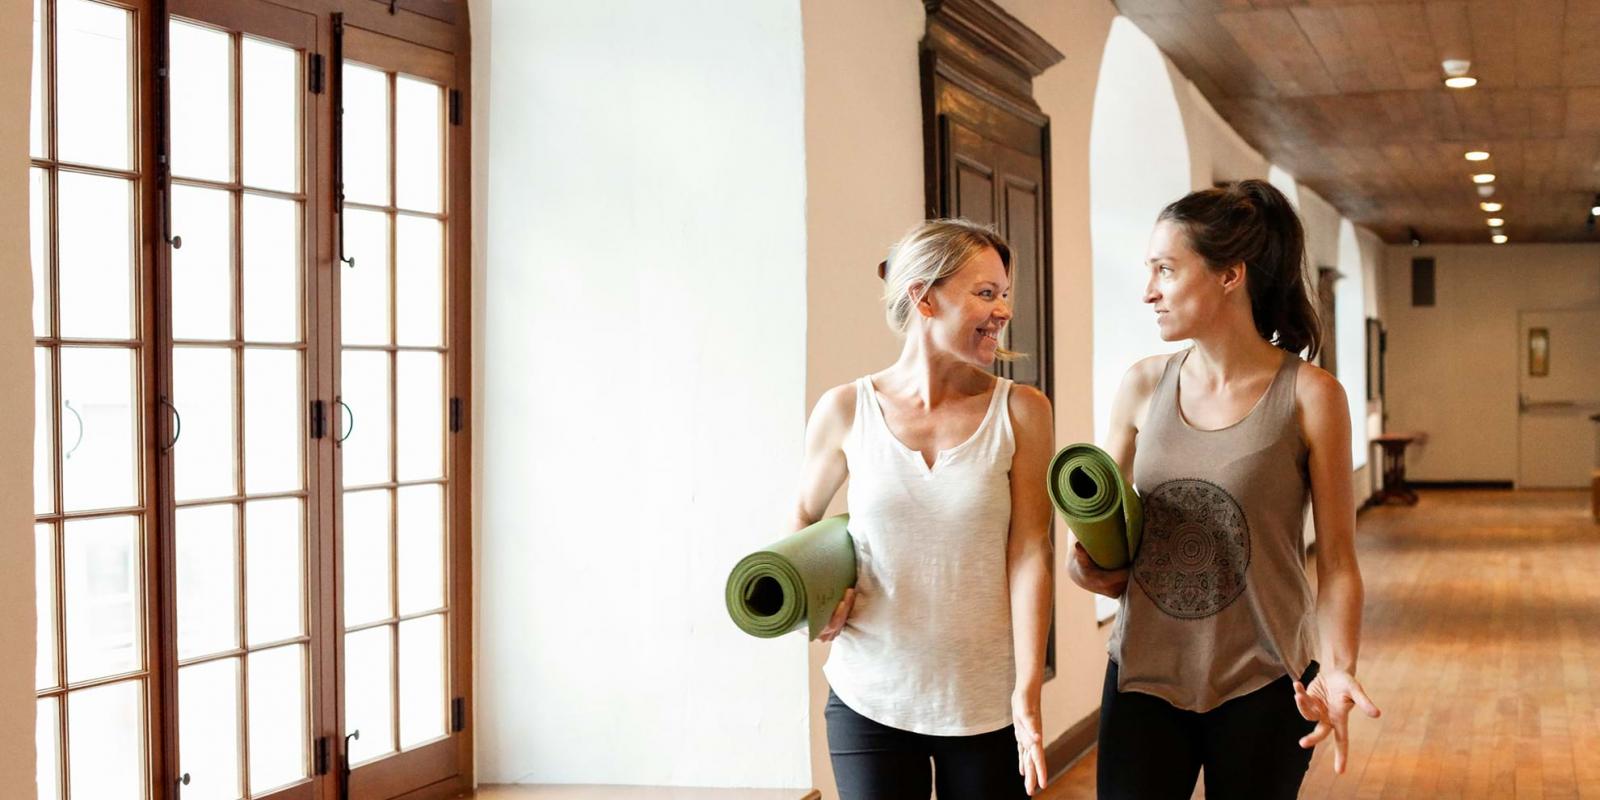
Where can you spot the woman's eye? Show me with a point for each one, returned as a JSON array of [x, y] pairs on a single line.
[[987, 294]]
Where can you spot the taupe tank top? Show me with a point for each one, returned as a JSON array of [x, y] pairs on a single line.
[[1217, 603]]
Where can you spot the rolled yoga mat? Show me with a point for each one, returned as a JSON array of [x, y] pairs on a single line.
[[1100, 505], [795, 582]]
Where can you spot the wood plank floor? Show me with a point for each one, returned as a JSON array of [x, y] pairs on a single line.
[[1481, 645], [554, 792]]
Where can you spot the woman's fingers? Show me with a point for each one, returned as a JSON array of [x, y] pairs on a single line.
[[1363, 702], [1041, 771], [841, 613], [1316, 736]]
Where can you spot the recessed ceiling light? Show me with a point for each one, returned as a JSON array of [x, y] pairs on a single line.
[[1490, 206], [1499, 238], [1483, 177], [1486, 190], [1595, 211], [1455, 70], [1477, 155], [1461, 82], [1495, 222]]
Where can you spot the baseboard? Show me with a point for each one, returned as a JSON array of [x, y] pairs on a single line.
[[1459, 484], [1071, 745]]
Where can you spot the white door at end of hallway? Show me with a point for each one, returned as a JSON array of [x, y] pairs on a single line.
[[1558, 391]]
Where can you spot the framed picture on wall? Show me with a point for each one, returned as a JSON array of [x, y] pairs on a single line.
[[1375, 347], [1539, 352]]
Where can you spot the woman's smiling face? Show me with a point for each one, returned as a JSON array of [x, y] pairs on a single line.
[[967, 311]]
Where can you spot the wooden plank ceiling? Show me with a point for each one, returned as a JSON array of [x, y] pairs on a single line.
[[1348, 95]]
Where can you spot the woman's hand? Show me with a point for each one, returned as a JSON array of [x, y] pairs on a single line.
[[1084, 572], [1327, 701], [1028, 726], [841, 614]]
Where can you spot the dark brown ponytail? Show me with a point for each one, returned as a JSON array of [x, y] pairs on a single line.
[[1252, 222]]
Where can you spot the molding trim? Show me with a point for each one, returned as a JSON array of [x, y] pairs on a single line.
[[985, 23], [1073, 744]]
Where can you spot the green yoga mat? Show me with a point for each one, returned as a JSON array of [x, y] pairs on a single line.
[[1100, 506], [795, 582]]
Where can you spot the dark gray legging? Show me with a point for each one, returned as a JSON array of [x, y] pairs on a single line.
[[1249, 746], [876, 762]]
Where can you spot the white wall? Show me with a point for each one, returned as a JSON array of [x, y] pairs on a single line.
[[1452, 370], [1350, 334], [17, 625], [643, 386], [1138, 163]]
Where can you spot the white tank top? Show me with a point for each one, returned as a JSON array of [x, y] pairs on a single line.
[[928, 645]]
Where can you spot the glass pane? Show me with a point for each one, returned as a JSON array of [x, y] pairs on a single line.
[[208, 730], [44, 446], [366, 135], [202, 390], [95, 251], [419, 281], [418, 133], [272, 418], [47, 740], [106, 747], [420, 393], [97, 428], [366, 556], [101, 562], [201, 81], [38, 241], [271, 116], [208, 611], [202, 269], [364, 287], [36, 108], [422, 688], [271, 269], [44, 582], [420, 521], [367, 686], [365, 387], [93, 63], [274, 539], [277, 717]]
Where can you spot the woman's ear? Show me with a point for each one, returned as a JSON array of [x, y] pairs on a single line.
[[922, 297], [1232, 277]]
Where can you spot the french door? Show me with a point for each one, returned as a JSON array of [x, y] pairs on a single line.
[[250, 505]]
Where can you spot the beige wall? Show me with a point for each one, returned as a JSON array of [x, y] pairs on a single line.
[[863, 146], [17, 623], [1452, 368]]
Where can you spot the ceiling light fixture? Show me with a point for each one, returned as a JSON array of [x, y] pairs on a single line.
[[1490, 206], [1456, 77], [1495, 222], [1477, 155], [1483, 177], [1595, 211], [1486, 190], [1416, 238], [1499, 238]]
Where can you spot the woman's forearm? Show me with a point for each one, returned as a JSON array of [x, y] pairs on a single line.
[[1030, 577], [1339, 598]]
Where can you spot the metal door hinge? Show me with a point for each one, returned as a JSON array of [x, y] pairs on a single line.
[[319, 419], [458, 715], [455, 415], [317, 73], [455, 106], [323, 755]]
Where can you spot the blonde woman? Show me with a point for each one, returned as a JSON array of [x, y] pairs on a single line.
[[938, 653]]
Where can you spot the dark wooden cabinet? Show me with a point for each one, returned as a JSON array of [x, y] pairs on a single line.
[[988, 154]]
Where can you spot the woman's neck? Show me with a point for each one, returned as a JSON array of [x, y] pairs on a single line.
[[1232, 352], [931, 376]]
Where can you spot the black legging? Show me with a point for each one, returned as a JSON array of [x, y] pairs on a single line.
[[1249, 746], [877, 762]]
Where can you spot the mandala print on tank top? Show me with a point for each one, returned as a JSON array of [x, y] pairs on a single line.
[[1196, 548]]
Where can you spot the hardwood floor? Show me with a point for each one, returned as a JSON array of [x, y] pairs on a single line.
[[554, 792], [1482, 647]]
